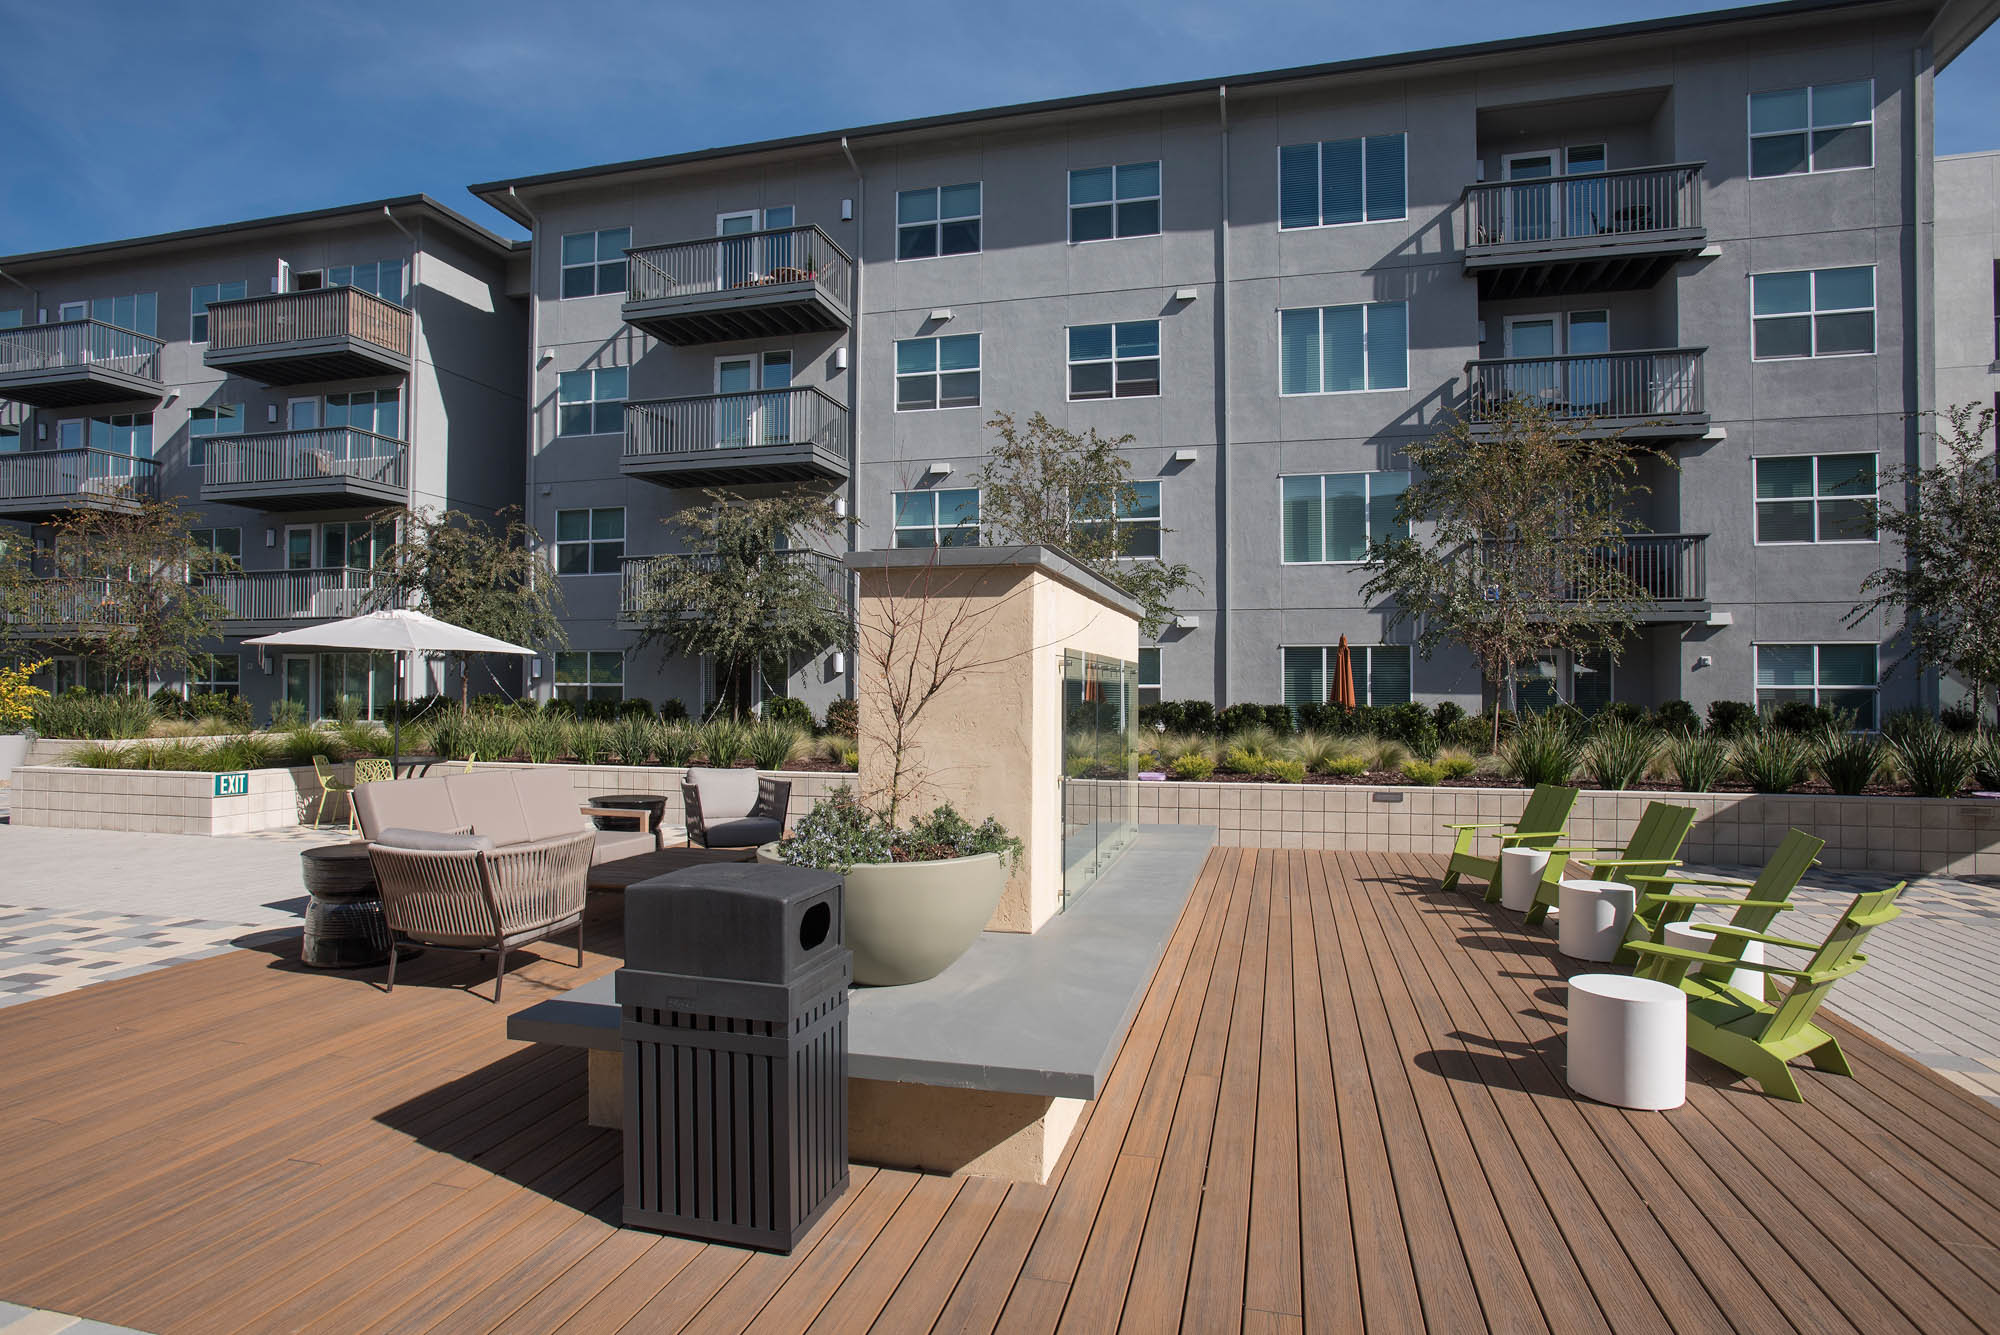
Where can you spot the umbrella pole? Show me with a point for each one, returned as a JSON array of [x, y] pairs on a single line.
[[396, 721]]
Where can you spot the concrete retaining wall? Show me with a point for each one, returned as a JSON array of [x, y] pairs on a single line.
[[163, 801]]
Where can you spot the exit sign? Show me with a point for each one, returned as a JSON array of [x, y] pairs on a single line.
[[232, 785]]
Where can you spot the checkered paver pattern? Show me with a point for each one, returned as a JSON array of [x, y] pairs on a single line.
[[46, 951]]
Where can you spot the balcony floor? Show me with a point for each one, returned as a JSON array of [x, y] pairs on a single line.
[[1564, 266], [321, 493], [1341, 1100], [343, 357], [77, 386]]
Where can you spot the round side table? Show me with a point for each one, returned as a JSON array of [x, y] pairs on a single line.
[[654, 803], [345, 928], [1701, 936], [1627, 1041], [1520, 875], [1592, 918]]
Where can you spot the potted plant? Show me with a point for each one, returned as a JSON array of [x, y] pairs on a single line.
[[17, 708], [916, 897]]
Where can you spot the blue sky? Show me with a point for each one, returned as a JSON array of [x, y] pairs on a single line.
[[144, 116]]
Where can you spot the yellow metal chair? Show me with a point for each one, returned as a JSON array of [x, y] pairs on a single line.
[[369, 771], [329, 784]]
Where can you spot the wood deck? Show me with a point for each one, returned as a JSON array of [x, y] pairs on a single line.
[[1341, 1102]]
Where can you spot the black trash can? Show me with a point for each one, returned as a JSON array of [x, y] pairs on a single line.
[[733, 1004]]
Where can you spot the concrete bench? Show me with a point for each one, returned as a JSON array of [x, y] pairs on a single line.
[[985, 1068]]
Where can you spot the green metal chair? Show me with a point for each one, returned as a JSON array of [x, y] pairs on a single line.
[[1540, 826], [1760, 1037], [1655, 845], [329, 784], [1663, 901]]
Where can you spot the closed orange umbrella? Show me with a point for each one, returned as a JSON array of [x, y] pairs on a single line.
[[1343, 675]]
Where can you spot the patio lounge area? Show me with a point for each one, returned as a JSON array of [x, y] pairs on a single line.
[[1341, 1100]]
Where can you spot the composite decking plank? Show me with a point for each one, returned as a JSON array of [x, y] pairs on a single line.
[[927, 1285], [858, 1303], [988, 1280], [564, 1295], [1275, 1282]]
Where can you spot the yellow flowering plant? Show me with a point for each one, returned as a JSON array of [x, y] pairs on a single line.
[[18, 696]]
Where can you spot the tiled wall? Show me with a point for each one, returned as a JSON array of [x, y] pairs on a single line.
[[163, 801]]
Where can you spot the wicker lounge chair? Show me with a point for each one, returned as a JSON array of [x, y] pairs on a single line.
[[734, 808]]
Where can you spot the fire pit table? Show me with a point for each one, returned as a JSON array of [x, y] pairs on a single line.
[[345, 928]]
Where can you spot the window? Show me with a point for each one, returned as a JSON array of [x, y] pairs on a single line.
[[589, 542], [598, 674], [937, 372], [1816, 498], [940, 220], [1149, 676], [10, 439], [1334, 516], [1341, 181], [1107, 202], [384, 278], [1381, 673], [1138, 521], [215, 674], [1114, 360], [119, 433], [1813, 313], [1538, 685], [947, 518], [138, 312], [12, 319], [218, 542], [221, 419], [1344, 349], [199, 300], [1841, 675], [376, 410], [593, 263], [1828, 127], [590, 403], [358, 545]]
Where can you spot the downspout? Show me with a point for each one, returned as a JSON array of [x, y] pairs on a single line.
[[1222, 412], [852, 578], [1920, 304], [534, 352]]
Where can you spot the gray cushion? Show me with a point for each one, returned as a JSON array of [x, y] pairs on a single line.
[[411, 804], [434, 841], [725, 793], [549, 804], [744, 832], [489, 802]]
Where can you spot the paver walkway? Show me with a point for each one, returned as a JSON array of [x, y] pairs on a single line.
[[35, 1321]]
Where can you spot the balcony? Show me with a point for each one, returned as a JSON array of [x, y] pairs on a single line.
[[76, 362], [1593, 232], [1654, 394], [1671, 568], [720, 440], [638, 580], [38, 485], [791, 280], [291, 338], [306, 470], [288, 597]]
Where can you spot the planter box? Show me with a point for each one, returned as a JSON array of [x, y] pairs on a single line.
[[164, 801]]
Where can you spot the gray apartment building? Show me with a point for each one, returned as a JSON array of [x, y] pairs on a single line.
[[287, 378], [1710, 232]]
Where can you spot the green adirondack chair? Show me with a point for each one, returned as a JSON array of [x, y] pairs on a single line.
[[1541, 824], [1663, 897], [1656, 841], [1758, 1037]]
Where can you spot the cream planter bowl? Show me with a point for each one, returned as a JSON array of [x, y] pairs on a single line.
[[907, 921], [13, 751]]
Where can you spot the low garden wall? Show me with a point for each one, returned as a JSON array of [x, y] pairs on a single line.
[[165, 801]]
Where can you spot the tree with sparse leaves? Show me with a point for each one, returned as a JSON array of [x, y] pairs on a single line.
[[483, 576], [1948, 526], [751, 588], [1047, 487], [1511, 540], [15, 577]]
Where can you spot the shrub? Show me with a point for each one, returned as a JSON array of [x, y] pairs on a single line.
[[590, 740], [946, 834], [1802, 717], [786, 709], [1619, 752], [1242, 760], [1349, 766], [1847, 761], [1471, 733], [287, 713], [1959, 718], [168, 704], [1314, 750], [1456, 763], [632, 738], [1173, 745], [677, 744], [545, 737], [1621, 711], [1543, 748], [1285, 771], [1236, 718], [1731, 718], [1986, 763], [837, 834], [1935, 762], [496, 736], [1697, 761], [1386, 756], [19, 696], [635, 706], [842, 716], [1280, 719], [79, 714], [1676, 716], [773, 743], [724, 742], [1445, 715], [1192, 767], [1409, 723], [228, 706], [362, 738], [1423, 773], [1772, 760]]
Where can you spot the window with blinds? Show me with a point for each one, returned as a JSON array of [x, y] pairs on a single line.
[[1344, 349], [1332, 517], [1381, 673], [1341, 181]]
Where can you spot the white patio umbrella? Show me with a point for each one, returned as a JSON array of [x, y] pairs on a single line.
[[397, 631]]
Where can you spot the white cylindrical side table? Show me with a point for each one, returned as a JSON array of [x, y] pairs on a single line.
[[1520, 873], [1594, 917], [1627, 1041], [1700, 936]]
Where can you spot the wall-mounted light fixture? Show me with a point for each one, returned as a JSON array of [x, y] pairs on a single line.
[[940, 315], [270, 412], [1184, 456], [847, 210], [840, 506], [1187, 621], [1185, 294], [938, 468], [270, 537], [41, 431], [545, 356], [839, 661], [840, 358]]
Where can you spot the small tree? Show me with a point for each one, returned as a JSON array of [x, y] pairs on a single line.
[[482, 576], [750, 589], [126, 587], [1527, 517], [1948, 586], [15, 593], [1047, 487]]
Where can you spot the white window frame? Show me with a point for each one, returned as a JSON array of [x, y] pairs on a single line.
[[198, 457], [1813, 313], [196, 300], [1328, 654], [596, 264], [1159, 675], [1114, 361], [402, 278], [1814, 497], [590, 543], [938, 220], [1819, 687], [587, 685], [936, 529], [594, 400], [1367, 319], [1808, 130], [1159, 196], [1156, 522], [1319, 182], [1367, 509], [207, 683], [937, 404]]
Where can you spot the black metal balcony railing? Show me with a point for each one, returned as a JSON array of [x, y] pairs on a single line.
[[78, 344], [733, 263], [1670, 568], [1658, 383], [307, 317], [1612, 204], [326, 455], [71, 477], [296, 595], [764, 419], [640, 577]]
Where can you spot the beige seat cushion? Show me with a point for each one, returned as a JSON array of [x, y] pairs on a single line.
[[726, 794], [549, 804], [615, 844], [489, 802], [411, 804]]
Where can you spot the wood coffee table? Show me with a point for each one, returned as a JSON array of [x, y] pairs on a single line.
[[630, 871]]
